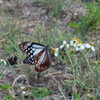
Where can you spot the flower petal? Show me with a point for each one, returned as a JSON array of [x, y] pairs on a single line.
[[87, 45], [68, 45], [61, 46], [64, 42], [92, 48]]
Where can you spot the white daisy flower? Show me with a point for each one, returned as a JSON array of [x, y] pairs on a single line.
[[72, 42], [89, 46], [79, 47], [75, 41]]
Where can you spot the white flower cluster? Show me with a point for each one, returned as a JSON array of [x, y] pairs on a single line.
[[76, 44], [64, 44]]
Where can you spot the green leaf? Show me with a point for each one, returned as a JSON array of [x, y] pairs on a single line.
[[5, 86], [9, 97], [44, 92], [1, 73], [42, 89], [40, 93], [74, 25], [35, 93]]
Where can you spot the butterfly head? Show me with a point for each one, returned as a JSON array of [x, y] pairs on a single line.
[[47, 48]]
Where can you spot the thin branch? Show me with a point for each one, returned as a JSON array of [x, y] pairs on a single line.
[[60, 88]]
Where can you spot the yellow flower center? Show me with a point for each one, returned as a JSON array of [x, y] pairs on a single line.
[[77, 41], [91, 44], [53, 50]]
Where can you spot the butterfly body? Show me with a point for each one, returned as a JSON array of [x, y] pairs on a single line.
[[37, 54]]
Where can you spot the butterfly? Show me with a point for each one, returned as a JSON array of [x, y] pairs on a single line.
[[37, 55]]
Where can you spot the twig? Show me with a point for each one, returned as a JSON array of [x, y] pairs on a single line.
[[20, 76], [60, 88]]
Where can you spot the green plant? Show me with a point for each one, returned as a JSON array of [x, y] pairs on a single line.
[[1, 74], [5, 86], [55, 6], [8, 97], [40, 93], [87, 22], [11, 34], [76, 96]]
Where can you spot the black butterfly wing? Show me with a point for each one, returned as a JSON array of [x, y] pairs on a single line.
[[42, 60], [31, 49], [28, 60]]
